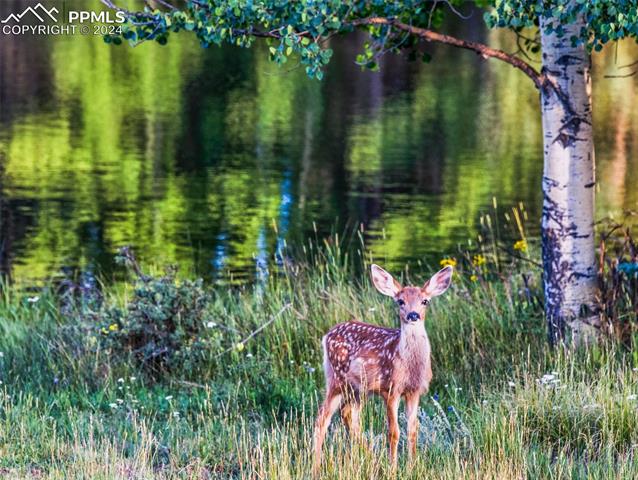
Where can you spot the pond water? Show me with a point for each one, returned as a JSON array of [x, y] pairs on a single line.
[[214, 159]]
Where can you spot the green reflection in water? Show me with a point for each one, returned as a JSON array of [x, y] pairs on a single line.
[[211, 158]]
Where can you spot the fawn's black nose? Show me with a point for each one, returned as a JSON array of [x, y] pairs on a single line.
[[413, 316]]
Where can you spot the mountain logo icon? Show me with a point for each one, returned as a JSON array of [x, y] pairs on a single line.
[[39, 11]]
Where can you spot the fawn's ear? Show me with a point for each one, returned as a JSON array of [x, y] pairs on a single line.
[[439, 283], [384, 282]]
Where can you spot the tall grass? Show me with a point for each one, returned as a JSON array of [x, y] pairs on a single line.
[[502, 405]]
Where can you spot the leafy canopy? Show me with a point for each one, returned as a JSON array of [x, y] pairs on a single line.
[[303, 27], [605, 20]]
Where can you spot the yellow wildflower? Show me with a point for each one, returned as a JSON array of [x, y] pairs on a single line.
[[104, 331], [113, 327], [478, 260], [521, 245], [448, 262], [474, 278], [239, 346]]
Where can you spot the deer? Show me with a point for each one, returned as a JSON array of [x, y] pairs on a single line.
[[394, 363]]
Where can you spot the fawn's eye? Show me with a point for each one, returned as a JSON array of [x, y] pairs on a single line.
[[400, 302], [425, 302]]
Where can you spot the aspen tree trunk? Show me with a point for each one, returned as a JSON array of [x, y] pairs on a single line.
[[569, 261]]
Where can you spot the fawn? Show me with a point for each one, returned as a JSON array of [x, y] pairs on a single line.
[[361, 358]]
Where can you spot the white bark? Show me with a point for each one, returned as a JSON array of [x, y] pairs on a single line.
[[568, 188]]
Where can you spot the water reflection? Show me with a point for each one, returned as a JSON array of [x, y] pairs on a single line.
[[215, 159]]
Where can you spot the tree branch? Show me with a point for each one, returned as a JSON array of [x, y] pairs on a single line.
[[625, 75], [483, 50], [540, 79]]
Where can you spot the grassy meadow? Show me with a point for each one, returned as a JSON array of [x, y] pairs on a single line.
[[503, 405]]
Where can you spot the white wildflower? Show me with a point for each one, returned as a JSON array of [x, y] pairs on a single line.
[[33, 299], [511, 384], [549, 380], [211, 324], [168, 398], [633, 396], [113, 405], [120, 380]]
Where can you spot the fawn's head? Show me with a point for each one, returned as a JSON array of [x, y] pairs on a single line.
[[412, 301]]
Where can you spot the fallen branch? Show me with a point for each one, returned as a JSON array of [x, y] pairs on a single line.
[[255, 332]]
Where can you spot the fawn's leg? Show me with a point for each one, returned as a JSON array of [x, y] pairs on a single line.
[[412, 410], [350, 413], [326, 410], [392, 407]]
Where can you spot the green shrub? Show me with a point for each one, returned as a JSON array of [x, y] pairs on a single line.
[[162, 326]]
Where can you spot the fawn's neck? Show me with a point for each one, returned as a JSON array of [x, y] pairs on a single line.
[[414, 340]]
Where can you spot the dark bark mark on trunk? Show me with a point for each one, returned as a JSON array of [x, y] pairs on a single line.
[[555, 268], [552, 268], [566, 60], [550, 86], [568, 135]]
